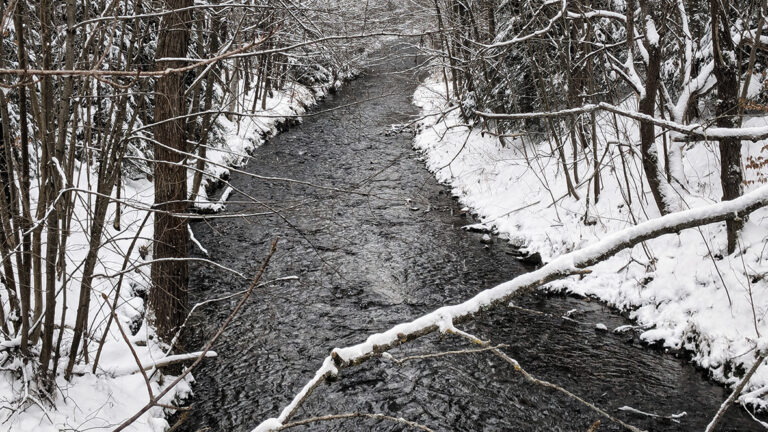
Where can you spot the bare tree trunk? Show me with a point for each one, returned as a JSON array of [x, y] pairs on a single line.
[[575, 85], [51, 188], [446, 46], [727, 110], [593, 123], [97, 228], [491, 17], [168, 296], [234, 85], [213, 47], [267, 82], [648, 106], [558, 141], [111, 160], [9, 217], [36, 246], [25, 221]]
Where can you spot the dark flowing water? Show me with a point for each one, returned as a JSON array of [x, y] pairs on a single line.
[[366, 262]]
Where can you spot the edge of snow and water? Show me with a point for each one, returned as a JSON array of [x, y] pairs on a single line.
[[242, 138], [682, 289], [103, 400]]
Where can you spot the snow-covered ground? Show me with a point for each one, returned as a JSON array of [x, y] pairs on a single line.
[[683, 289], [116, 391]]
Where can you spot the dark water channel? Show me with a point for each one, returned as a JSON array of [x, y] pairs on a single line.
[[367, 262]]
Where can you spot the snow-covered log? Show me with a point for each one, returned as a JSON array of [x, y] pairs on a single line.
[[128, 369]]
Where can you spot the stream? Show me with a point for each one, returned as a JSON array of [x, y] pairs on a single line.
[[388, 251]]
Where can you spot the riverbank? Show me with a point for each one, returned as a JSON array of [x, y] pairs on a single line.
[[683, 290], [104, 399]]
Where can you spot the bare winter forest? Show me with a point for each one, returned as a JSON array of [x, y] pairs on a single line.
[[475, 215]]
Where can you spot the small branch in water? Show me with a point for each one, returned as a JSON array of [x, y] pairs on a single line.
[[673, 417], [197, 242], [532, 379], [761, 423], [332, 417], [389, 356]]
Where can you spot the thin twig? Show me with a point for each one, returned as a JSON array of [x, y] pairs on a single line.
[[441, 354], [332, 417], [130, 346], [532, 379]]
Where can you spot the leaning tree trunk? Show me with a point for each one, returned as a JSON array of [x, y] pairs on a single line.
[[168, 296], [650, 155], [727, 110]]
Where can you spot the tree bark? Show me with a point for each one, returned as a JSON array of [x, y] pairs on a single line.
[[213, 47], [168, 296], [727, 113], [51, 188], [647, 106], [25, 221]]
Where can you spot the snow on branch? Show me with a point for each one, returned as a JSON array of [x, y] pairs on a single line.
[[597, 14], [576, 262], [546, 29], [128, 369], [704, 81], [692, 131]]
